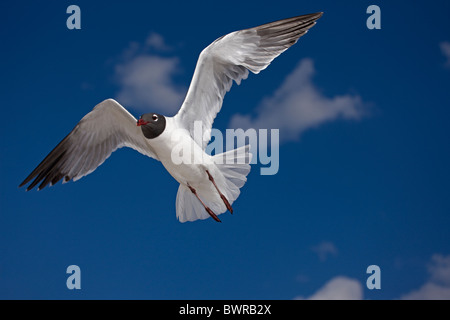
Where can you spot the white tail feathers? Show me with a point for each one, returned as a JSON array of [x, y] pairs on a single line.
[[234, 165]]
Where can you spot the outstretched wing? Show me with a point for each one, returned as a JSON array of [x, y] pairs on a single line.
[[229, 58], [106, 128]]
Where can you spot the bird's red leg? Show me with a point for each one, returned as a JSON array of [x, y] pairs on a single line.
[[224, 199], [211, 213]]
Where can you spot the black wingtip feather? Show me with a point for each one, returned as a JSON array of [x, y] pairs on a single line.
[[46, 169], [46, 165], [305, 19]]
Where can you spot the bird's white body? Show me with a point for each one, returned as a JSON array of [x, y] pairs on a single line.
[[174, 138], [208, 184], [188, 163]]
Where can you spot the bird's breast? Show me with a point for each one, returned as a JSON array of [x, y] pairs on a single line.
[[182, 157]]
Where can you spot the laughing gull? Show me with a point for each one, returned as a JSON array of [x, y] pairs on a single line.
[[208, 184]]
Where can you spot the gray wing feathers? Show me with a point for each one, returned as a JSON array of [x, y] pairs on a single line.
[[229, 59], [102, 131]]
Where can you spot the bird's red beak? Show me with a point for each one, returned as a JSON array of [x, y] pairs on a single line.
[[141, 122]]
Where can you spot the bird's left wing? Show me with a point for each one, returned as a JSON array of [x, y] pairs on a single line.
[[229, 58], [106, 128]]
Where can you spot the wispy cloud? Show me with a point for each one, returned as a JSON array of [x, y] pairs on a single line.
[[146, 78], [298, 105], [438, 285], [324, 250], [445, 49], [338, 288], [157, 42]]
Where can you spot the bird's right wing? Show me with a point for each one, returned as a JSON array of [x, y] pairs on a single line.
[[106, 128], [230, 58]]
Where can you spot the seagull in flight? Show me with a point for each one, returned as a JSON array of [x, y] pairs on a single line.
[[208, 184]]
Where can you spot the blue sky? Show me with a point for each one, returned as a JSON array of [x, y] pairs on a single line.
[[364, 181]]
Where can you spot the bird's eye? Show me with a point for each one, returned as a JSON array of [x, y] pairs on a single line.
[[155, 117]]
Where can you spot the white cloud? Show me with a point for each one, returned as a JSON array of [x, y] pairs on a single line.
[[146, 79], [324, 250], [438, 285], [429, 291], [439, 269], [338, 288], [297, 105], [157, 42], [445, 49]]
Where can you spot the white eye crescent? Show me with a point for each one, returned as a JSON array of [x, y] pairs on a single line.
[[155, 117]]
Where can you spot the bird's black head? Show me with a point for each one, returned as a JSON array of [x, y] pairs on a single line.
[[152, 124]]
